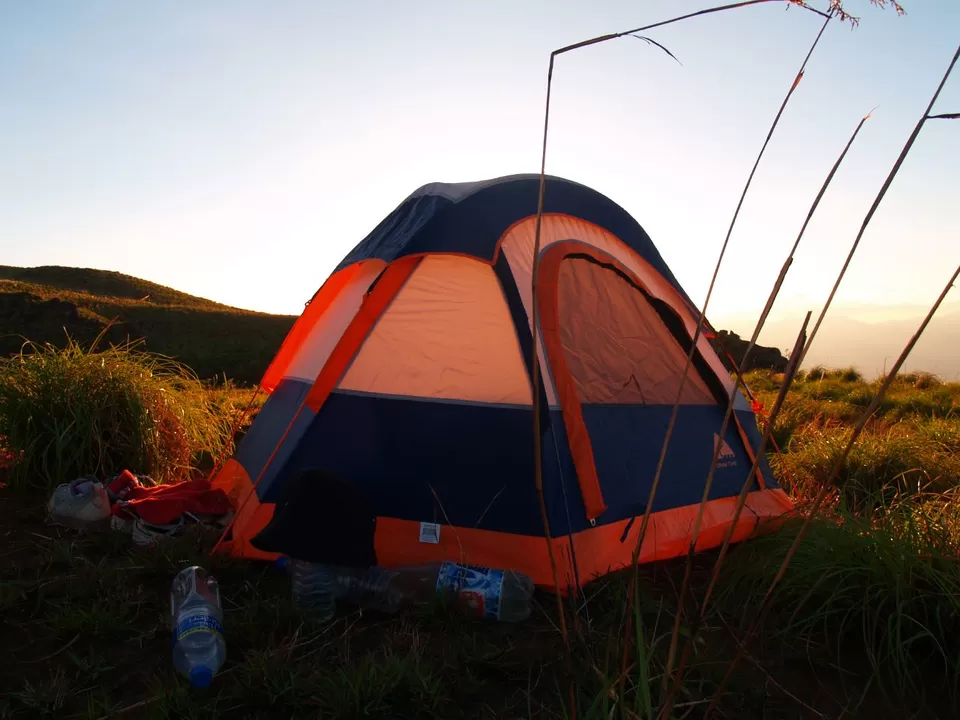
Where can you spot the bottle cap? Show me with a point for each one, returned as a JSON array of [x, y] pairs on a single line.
[[201, 677]]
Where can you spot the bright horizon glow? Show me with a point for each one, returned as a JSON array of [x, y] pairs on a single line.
[[237, 151]]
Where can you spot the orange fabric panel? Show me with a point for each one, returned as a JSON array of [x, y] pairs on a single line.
[[599, 550], [326, 332], [301, 328], [617, 348], [232, 479], [517, 245], [569, 394], [397, 542], [447, 334], [251, 515], [372, 307], [578, 438]]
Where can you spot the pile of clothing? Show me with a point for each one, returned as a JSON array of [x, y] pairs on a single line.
[[138, 506]]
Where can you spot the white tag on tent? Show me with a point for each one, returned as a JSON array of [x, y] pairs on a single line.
[[429, 533]]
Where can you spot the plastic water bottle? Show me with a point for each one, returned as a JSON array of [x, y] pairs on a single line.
[[197, 618], [486, 592], [312, 589]]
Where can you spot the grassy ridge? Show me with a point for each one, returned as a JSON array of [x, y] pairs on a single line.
[[912, 443], [45, 305], [91, 284]]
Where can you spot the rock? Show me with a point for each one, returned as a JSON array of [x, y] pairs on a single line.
[[761, 358]]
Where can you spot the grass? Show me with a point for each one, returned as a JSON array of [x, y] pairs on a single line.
[[89, 632], [73, 411], [89, 605], [909, 445], [886, 586], [877, 578], [865, 622]]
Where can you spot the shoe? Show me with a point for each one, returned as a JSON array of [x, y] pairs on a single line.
[[145, 535], [210, 521], [122, 520], [82, 504]]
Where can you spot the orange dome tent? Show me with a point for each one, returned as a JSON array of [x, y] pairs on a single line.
[[409, 375]]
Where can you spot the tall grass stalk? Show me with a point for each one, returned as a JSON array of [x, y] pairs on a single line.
[[605, 689], [792, 366], [702, 314], [538, 480], [695, 341], [827, 485], [73, 411], [538, 471], [876, 202], [741, 367]]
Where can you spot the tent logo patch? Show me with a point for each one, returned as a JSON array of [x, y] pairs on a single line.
[[429, 533], [727, 457]]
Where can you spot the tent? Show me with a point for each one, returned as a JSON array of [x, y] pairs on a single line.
[[409, 374]]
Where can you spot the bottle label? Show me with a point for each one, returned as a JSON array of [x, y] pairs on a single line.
[[198, 621], [478, 587]]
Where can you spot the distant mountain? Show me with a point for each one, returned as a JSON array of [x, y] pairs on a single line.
[[871, 338], [45, 304]]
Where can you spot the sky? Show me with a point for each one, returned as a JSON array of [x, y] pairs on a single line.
[[237, 150]]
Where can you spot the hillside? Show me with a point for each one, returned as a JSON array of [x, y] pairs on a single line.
[[45, 304]]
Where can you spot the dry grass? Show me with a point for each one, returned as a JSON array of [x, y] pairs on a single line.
[[73, 411]]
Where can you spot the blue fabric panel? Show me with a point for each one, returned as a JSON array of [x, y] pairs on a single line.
[[395, 232], [748, 421], [477, 458], [740, 401], [626, 443], [271, 422], [395, 449], [474, 223], [561, 487], [521, 325]]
